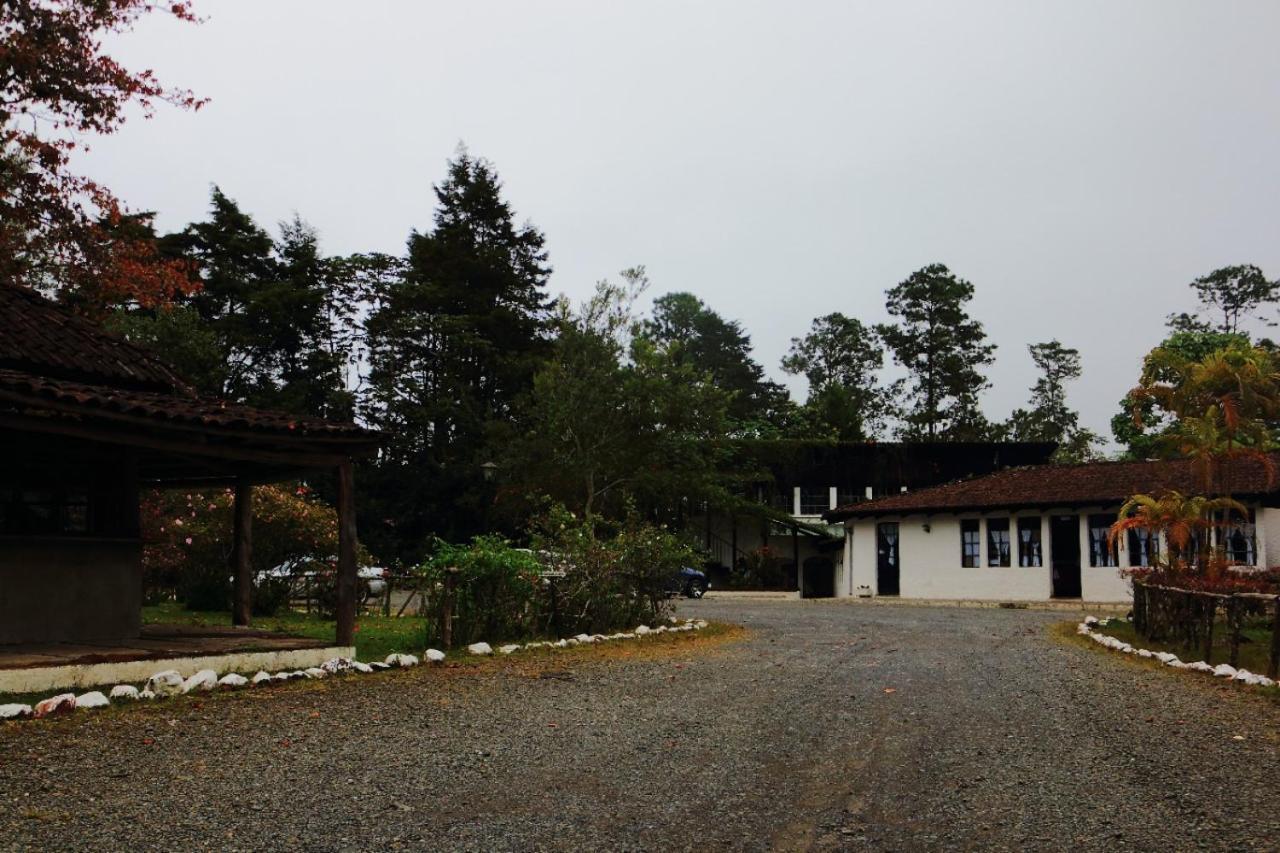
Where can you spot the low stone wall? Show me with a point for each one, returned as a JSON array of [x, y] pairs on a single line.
[[41, 679]]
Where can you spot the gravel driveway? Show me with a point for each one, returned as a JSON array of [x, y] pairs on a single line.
[[828, 725]]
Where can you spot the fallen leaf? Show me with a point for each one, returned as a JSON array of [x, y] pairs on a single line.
[[891, 690]]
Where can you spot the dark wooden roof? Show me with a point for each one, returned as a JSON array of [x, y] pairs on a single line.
[[19, 387], [1043, 486], [61, 376], [42, 338]]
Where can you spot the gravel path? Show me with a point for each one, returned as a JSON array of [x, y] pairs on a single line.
[[828, 725]]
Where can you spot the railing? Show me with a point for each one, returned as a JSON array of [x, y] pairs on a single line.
[[1190, 617]]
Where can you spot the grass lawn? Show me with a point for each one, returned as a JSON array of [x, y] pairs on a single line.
[[376, 636], [1255, 645]]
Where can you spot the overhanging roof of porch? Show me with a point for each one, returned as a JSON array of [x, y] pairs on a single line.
[[64, 381]]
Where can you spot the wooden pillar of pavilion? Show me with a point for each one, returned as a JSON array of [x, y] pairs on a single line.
[[795, 551], [242, 554], [346, 631]]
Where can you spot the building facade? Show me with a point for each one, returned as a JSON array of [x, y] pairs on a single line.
[[795, 484], [1033, 534]]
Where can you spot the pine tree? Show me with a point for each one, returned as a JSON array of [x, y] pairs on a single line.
[[944, 351], [451, 344], [700, 339], [1049, 418], [840, 358]]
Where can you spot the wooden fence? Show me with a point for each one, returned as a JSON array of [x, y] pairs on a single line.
[[1170, 615]]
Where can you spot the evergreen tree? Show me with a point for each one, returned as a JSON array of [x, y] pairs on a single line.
[[840, 358], [616, 422], [944, 351], [235, 263], [1049, 418], [1235, 293], [699, 338], [451, 345]]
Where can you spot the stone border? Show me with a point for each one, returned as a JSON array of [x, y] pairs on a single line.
[[86, 676], [170, 682], [1222, 670]]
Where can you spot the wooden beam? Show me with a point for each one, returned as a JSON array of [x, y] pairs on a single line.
[[241, 554], [340, 442], [346, 555], [190, 447]]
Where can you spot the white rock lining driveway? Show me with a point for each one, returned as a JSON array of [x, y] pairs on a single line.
[[170, 682], [1222, 670]]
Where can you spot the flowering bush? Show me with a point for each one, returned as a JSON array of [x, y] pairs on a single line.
[[187, 543], [1223, 580]]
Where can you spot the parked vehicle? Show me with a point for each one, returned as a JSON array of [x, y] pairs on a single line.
[[689, 582], [371, 581]]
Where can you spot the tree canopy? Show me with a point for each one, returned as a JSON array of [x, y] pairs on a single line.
[[943, 350], [60, 231], [841, 357], [1048, 417]]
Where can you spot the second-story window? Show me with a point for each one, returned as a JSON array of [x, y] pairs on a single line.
[[814, 500]]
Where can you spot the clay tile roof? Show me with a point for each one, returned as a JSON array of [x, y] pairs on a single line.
[[1062, 485], [153, 406], [40, 337], [52, 359]]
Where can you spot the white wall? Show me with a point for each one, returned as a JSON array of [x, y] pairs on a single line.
[[1268, 531], [930, 562]]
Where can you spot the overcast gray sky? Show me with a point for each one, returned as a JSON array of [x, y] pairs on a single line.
[[1079, 162]]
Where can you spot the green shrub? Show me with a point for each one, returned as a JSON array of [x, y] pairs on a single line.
[[495, 595], [270, 596], [615, 577]]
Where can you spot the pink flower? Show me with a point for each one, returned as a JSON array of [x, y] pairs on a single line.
[[188, 540]]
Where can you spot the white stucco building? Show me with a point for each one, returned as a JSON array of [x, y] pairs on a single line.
[[1031, 534]]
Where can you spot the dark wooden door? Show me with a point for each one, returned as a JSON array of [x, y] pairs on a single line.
[[888, 558], [1064, 550]]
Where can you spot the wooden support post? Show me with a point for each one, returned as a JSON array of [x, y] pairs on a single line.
[[733, 544], [242, 554], [446, 614], [1273, 665], [1233, 619], [795, 551], [346, 555], [1212, 608]]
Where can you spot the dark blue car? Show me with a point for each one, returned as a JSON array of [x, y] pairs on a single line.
[[689, 582]]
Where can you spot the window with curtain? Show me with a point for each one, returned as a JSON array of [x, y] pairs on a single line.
[[1029, 542], [1144, 547], [887, 543], [970, 545], [1100, 553], [998, 542], [1240, 541]]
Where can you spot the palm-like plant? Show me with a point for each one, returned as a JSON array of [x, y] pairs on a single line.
[[1224, 403], [1180, 518]]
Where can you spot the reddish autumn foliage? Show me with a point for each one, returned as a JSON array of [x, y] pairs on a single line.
[[60, 231], [1224, 580]]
